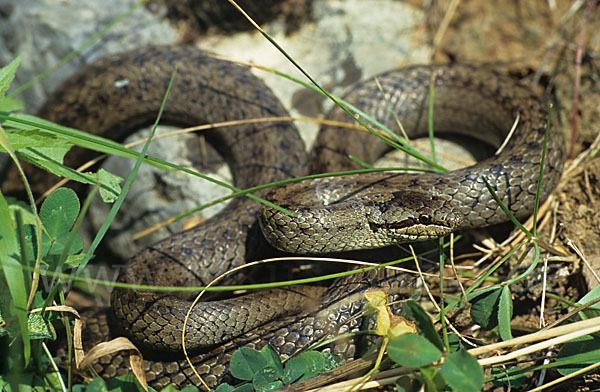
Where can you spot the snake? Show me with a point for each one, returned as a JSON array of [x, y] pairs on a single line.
[[114, 95]]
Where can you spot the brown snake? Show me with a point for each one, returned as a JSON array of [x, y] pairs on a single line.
[[115, 95]]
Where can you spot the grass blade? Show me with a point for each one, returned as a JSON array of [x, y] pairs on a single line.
[[126, 186]]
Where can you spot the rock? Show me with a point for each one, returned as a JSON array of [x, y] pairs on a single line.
[[42, 32], [157, 195]]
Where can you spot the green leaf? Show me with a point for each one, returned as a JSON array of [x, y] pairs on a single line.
[[8, 228], [61, 242], [12, 274], [266, 379], [306, 365], [454, 342], [23, 208], [505, 312], [294, 369], [39, 328], [315, 363], [593, 310], [190, 388], [581, 352], [48, 157], [47, 150], [484, 309], [273, 360], [222, 388], [35, 138], [74, 136], [424, 325], [97, 385], [244, 388], [246, 362], [74, 260], [7, 74], [431, 379], [171, 388], [413, 350], [331, 361], [407, 384], [51, 160], [462, 372], [31, 243], [58, 214], [26, 381], [59, 211], [11, 105], [109, 185], [53, 381], [125, 383]]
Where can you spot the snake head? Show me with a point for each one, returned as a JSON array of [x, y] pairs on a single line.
[[356, 217], [405, 216]]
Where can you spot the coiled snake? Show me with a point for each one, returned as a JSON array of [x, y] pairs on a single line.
[[117, 94]]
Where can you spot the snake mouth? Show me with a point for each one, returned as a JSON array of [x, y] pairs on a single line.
[[424, 227]]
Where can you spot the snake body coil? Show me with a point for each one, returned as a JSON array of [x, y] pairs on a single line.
[[117, 94]]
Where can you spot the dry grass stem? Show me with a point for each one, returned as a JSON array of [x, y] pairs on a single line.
[[582, 257]]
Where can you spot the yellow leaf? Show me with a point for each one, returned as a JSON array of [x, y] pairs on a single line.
[[400, 326], [377, 299]]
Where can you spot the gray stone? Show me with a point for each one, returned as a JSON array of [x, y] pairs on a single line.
[[42, 32], [157, 195]]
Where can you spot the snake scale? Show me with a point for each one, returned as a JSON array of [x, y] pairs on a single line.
[[117, 94]]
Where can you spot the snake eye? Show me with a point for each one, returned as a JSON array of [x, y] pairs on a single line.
[[425, 219]]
